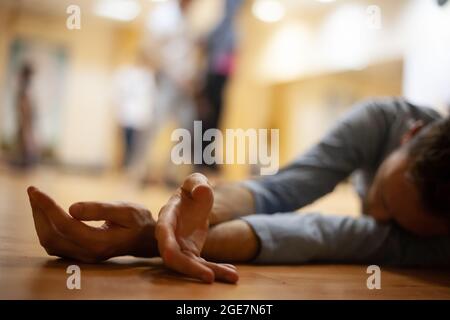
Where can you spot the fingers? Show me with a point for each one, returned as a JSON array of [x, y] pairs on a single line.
[[96, 211], [194, 180], [189, 264], [41, 222], [49, 238], [197, 186], [69, 228], [174, 258], [223, 272]]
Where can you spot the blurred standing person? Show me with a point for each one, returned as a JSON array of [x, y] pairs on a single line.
[[134, 91], [171, 46], [25, 137], [220, 54]]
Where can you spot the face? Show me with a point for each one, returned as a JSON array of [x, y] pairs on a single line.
[[394, 197]]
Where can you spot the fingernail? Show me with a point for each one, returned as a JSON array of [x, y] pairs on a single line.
[[200, 191]]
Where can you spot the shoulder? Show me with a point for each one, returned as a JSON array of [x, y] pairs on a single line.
[[390, 109]]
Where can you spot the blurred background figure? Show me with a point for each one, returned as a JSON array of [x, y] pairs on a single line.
[[134, 94], [26, 144], [220, 51], [171, 46]]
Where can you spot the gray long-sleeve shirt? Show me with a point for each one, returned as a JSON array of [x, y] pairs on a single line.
[[355, 147]]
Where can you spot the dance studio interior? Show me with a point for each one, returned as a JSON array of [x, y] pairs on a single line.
[[95, 94]]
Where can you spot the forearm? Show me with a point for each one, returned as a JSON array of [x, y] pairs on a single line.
[[354, 142], [232, 241], [231, 201], [304, 238]]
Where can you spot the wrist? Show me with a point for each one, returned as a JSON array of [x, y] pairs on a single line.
[[231, 201], [147, 245]]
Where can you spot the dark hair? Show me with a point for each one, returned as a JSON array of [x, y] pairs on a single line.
[[430, 165]]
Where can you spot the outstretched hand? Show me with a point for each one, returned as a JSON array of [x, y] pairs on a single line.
[[182, 229], [128, 229]]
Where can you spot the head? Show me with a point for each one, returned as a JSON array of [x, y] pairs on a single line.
[[412, 185]]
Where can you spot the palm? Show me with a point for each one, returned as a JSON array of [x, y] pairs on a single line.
[[182, 229], [191, 225]]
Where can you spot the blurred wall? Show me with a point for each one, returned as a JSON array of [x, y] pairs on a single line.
[[301, 73], [307, 108]]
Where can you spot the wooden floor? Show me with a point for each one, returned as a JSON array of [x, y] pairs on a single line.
[[26, 272]]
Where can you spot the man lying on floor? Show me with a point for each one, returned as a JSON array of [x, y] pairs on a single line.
[[399, 158]]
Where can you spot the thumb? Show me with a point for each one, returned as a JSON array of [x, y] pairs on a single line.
[[197, 187]]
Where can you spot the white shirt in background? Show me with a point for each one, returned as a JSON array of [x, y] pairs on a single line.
[[134, 96]]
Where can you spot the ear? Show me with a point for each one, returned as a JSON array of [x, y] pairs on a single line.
[[414, 128]]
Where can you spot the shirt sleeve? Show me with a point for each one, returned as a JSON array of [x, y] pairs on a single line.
[[356, 141], [302, 238]]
